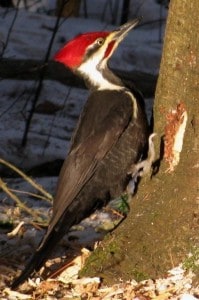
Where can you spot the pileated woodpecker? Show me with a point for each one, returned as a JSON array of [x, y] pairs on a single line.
[[111, 136]]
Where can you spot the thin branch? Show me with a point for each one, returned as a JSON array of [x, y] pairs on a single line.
[[27, 178], [52, 123], [10, 29], [12, 104], [30, 194], [18, 201]]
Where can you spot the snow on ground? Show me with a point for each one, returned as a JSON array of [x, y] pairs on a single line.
[[49, 133]]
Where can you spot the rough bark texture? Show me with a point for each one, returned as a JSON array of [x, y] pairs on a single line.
[[163, 225]]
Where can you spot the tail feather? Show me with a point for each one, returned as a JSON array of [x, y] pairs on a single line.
[[34, 265], [39, 257], [50, 240]]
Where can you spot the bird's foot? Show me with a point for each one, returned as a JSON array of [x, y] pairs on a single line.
[[143, 167]]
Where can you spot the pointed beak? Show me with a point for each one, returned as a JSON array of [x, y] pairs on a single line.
[[115, 37], [120, 33]]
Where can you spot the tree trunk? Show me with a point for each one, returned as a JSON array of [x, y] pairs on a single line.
[[125, 11], [6, 3], [163, 224], [70, 9]]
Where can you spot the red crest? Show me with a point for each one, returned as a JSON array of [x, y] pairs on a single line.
[[72, 54]]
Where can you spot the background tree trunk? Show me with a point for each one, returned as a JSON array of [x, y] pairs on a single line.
[[163, 224], [6, 3], [70, 9], [125, 11]]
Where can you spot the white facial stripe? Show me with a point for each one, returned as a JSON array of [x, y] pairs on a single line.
[[90, 69]]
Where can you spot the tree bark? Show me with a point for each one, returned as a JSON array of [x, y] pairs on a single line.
[[163, 224]]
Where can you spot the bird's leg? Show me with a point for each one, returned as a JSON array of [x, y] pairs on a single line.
[[142, 167]]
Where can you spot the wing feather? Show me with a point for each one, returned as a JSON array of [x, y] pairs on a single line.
[[84, 156]]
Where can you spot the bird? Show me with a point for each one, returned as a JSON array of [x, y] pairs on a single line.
[[111, 136]]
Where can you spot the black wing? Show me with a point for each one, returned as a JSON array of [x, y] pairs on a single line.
[[99, 128], [103, 121]]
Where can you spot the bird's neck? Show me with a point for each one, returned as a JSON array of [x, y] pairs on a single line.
[[100, 78]]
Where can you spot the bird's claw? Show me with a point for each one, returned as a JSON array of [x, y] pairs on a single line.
[[143, 167]]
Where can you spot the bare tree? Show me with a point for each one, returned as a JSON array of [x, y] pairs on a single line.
[[125, 11], [6, 3], [71, 8], [163, 225]]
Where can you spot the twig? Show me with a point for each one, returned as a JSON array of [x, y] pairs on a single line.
[[15, 231], [12, 104], [28, 179], [29, 194], [11, 27], [18, 201]]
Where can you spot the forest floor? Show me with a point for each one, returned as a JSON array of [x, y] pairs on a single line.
[[61, 270]]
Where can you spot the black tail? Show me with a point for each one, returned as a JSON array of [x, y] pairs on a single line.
[[38, 258], [34, 265], [47, 244]]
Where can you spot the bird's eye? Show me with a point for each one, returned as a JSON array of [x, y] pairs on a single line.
[[100, 41]]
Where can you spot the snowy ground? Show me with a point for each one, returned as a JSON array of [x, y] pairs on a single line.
[[50, 131]]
